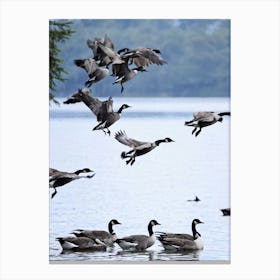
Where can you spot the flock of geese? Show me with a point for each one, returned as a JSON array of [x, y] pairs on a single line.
[[100, 240], [97, 68]]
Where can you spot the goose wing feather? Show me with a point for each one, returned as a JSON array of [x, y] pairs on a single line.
[[144, 57], [93, 234], [203, 116], [164, 235], [179, 243], [124, 139], [89, 65], [135, 238]]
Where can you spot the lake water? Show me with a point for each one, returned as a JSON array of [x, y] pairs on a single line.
[[157, 186]]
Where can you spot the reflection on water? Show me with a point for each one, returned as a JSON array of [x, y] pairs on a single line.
[[158, 186], [118, 255]]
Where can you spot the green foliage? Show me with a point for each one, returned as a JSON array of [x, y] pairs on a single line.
[[59, 31]]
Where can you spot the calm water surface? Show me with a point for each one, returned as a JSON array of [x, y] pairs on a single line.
[[157, 186]]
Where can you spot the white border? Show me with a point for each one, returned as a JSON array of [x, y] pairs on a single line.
[[255, 137]]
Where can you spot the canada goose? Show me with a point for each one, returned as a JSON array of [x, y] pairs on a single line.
[[139, 242], [203, 119], [182, 241], [108, 238], [102, 59], [95, 73], [110, 119], [196, 199], [102, 109], [124, 74], [226, 211], [80, 244], [59, 178], [139, 148], [142, 57]]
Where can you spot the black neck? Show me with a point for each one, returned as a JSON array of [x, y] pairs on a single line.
[[193, 230], [120, 110], [110, 228], [150, 229], [159, 141], [78, 171]]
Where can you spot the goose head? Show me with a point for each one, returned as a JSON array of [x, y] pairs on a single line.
[[167, 140], [84, 170], [150, 226], [111, 224], [197, 221], [156, 51], [123, 50], [140, 69], [124, 106], [153, 223], [115, 222]]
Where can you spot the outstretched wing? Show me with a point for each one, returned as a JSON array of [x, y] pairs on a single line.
[[99, 108], [89, 65], [144, 57], [122, 138]]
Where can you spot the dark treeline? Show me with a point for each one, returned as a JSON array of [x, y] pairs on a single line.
[[197, 54]]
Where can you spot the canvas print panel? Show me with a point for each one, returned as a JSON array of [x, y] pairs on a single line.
[[139, 141]]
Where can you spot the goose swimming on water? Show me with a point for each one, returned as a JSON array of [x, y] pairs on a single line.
[[138, 148], [80, 244], [226, 211], [108, 238], [139, 242], [203, 119], [182, 241], [196, 199], [60, 178], [103, 110]]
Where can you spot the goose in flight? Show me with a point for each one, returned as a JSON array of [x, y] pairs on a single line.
[[123, 74], [107, 237], [104, 51], [60, 178], [95, 73], [103, 110], [139, 242], [182, 241], [203, 119], [138, 148], [142, 57]]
